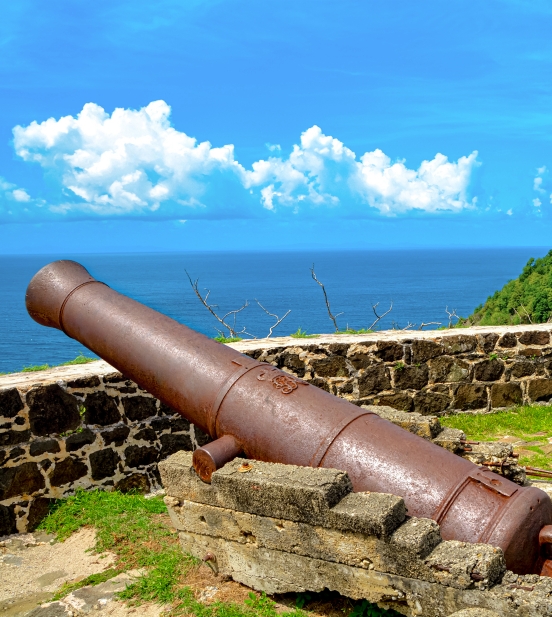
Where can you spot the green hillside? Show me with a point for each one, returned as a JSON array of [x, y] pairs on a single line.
[[527, 299]]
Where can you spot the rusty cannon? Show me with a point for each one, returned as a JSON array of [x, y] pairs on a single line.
[[255, 409]]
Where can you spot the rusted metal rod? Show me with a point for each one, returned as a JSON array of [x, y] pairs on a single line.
[[272, 416]]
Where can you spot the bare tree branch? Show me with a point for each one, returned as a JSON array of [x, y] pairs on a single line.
[[278, 319], [332, 317], [527, 313], [409, 326], [451, 315], [429, 323], [210, 307], [378, 317]]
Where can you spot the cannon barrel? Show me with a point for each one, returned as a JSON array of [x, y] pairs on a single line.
[[253, 408]]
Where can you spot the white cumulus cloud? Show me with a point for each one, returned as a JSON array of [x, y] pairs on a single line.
[[134, 163]]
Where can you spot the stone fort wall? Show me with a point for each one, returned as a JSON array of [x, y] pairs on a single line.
[[88, 426]]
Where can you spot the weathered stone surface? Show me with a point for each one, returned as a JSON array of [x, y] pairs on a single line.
[[38, 510], [430, 403], [539, 390], [173, 443], [293, 362], [67, 470], [140, 455], [487, 341], [201, 437], [447, 369], [418, 536], [146, 434], [506, 394], [12, 438], [10, 403], [7, 521], [374, 379], [537, 337], [460, 343], [470, 396], [423, 350], [76, 441], [52, 410], [508, 340], [423, 426], [389, 351], [522, 369], [451, 439], [411, 377], [333, 366], [103, 463], [139, 407], [24, 479], [90, 381], [43, 446], [101, 409], [179, 425], [135, 482], [488, 370], [116, 436], [281, 491], [463, 565], [475, 612], [399, 401]]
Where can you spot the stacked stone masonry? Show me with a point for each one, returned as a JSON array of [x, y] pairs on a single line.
[[429, 372], [79, 427], [88, 426], [280, 528]]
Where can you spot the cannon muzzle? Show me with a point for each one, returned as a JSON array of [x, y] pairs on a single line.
[[256, 409]]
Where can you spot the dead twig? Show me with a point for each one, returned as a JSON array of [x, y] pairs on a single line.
[[278, 319], [332, 317], [451, 315], [378, 317], [429, 323], [210, 307]]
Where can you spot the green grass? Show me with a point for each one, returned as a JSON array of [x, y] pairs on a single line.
[[80, 359], [527, 423], [353, 331], [137, 531], [225, 339], [303, 334]]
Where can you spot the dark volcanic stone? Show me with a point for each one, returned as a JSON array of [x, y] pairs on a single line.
[[488, 370], [139, 407], [138, 482], [77, 440], [66, 471], [508, 340], [430, 403], [535, 337], [116, 435], [101, 409], [201, 437], [522, 369], [399, 400], [16, 453], [10, 403], [146, 434], [448, 370], [361, 360], [179, 425], [334, 366], [173, 443], [115, 377], [460, 343], [506, 394], [389, 351], [20, 480], [103, 463], [7, 521], [375, 379], [45, 445], [93, 381], [540, 390], [425, 350], [293, 362], [38, 510], [19, 421], [11, 438], [140, 455], [165, 410], [3, 455], [160, 424], [411, 377], [487, 342], [52, 410], [470, 396]]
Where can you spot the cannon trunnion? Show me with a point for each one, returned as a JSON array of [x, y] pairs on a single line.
[[256, 409]]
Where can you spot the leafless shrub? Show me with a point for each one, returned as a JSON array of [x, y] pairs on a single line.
[[332, 317], [278, 319]]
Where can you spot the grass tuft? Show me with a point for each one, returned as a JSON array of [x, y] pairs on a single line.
[[303, 334], [93, 579], [228, 339]]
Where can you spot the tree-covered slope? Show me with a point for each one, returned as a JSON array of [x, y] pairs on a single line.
[[527, 299]]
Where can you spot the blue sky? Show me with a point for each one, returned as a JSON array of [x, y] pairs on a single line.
[[239, 124]]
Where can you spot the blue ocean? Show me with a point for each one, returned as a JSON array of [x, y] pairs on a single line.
[[420, 284]]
